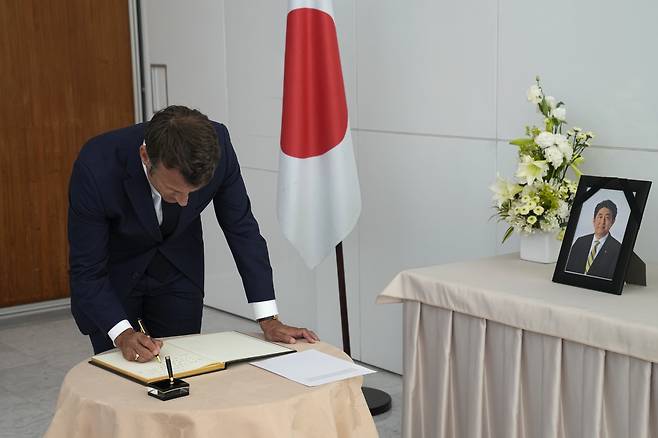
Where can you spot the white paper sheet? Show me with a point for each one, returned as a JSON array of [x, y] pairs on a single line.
[[312, 368]]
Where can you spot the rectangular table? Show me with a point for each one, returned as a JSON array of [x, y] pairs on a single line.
[[493, 348]]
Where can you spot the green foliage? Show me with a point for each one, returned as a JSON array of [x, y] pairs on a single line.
[[523, 141], [508, 233]]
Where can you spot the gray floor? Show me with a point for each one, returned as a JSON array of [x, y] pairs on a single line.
[[36, 351]]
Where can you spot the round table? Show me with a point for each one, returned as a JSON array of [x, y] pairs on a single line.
[[242, 401]]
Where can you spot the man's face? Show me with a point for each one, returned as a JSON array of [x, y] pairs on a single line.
[[603, 221], [168, 182]]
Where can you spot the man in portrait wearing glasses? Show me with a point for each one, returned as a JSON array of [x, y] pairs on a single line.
[[135, 236], [596, 254]]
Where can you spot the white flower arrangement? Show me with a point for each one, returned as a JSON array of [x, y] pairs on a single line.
[[540, 198]]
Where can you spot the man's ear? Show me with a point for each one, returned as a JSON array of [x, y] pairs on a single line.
[[144, 155]]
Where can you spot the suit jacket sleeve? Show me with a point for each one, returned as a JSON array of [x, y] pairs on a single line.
[[233, 211], [88, 231]]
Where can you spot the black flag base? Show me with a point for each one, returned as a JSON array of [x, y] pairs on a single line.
[[378, 401]]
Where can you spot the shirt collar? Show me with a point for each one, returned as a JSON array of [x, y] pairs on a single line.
[[602, 239]]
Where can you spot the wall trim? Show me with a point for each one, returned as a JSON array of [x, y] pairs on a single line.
[[34, 308]]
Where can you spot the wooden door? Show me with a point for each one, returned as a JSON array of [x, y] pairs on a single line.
[[65, 76]]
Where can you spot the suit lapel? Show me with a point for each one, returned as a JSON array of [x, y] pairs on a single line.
[[586, 250], [139, 192]]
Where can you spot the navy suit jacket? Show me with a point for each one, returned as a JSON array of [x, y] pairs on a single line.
[[114, 233], [605, 261]]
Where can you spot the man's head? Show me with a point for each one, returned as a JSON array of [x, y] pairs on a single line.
[[605, 214], [180, 151]]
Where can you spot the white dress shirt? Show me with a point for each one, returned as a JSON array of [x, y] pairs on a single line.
[[262, 309]]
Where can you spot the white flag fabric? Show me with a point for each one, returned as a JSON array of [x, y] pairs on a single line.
[[319, 199]]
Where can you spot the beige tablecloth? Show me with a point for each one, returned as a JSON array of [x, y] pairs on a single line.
[[241, 401], [493, 348]]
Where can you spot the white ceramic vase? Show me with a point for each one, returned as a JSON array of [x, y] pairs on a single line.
[[540, 247]]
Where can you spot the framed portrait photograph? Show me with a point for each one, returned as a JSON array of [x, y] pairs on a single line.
[[603, 225]]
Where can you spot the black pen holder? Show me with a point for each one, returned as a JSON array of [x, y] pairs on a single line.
[[166, 390]]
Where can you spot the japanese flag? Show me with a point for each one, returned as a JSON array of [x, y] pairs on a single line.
[[319, 200]]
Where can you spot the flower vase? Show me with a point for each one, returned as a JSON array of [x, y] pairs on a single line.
[[541, 247]]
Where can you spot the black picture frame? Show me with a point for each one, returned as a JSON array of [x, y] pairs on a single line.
[[612, 277]]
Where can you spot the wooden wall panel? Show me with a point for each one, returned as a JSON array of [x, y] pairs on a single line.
[[65, 76]]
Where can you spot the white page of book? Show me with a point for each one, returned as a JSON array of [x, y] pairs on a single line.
[[227, 346], [312, 367], [182, 360]]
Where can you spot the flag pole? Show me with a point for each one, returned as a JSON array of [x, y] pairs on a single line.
[[342, 297], [378, 400]]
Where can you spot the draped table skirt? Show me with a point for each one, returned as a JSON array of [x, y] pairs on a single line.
[[469, 377], [494, 348]]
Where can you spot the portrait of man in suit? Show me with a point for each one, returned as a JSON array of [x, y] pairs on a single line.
[[136, 240], [596, 254]]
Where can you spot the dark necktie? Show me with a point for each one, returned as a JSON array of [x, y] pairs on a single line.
[[170, 215], [160, 267]]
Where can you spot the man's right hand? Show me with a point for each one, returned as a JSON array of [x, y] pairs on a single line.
[[136, 346]]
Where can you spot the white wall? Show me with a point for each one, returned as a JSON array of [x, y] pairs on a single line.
[[435, 89]]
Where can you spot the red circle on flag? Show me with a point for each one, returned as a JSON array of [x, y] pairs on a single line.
[[314, 118]]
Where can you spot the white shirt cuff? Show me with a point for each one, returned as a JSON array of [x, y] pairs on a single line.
[[118, 329], [263, 309]]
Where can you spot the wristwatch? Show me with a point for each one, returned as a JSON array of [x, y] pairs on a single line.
[[267, 318]]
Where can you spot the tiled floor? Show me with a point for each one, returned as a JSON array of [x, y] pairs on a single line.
[[36, 351]]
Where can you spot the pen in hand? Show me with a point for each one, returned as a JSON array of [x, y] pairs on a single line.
[[143, 330]]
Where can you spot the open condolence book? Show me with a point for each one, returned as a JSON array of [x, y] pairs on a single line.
[[192, 355]]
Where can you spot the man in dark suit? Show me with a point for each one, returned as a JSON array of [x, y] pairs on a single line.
[[596, 254], [135, 236]]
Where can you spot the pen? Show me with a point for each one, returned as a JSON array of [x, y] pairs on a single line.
[[143, 330], [169, 370]]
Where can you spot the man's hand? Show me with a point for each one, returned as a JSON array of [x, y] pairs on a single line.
[[277, 331], [136, 346]]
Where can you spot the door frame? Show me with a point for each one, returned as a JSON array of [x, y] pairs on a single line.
[[136, 49]]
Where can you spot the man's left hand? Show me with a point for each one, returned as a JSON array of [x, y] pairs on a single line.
[[276, 331]]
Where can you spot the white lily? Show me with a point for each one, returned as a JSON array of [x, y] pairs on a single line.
[[530, 170], [504, 190]]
